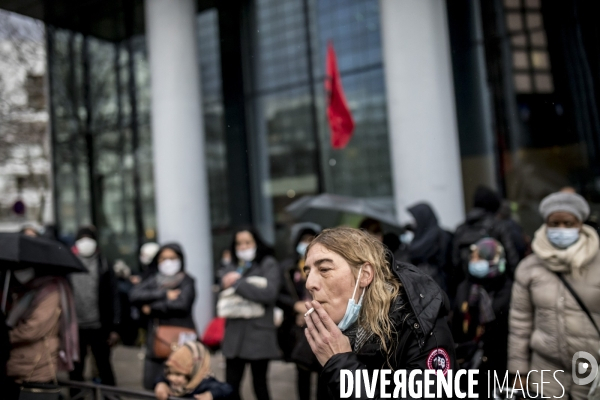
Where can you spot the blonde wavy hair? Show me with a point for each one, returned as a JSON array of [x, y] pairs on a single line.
[[357, 248]]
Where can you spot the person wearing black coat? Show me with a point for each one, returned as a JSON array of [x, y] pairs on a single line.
[[483, 221], [166, 297], [480, 313], [345, 263], [97, 306], [291, 300], [431, 247]]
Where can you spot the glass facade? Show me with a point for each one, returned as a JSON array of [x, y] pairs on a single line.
[[101, 140], [540, 96], [287, 102], [101, 108], [526, 105]]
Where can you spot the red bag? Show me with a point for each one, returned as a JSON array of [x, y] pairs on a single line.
[[213, 335]]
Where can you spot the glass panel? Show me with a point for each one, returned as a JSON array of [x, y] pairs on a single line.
[[69, 152], [353, 27], [534, 20], [533, 3], [522, 83], [540, 60], [514, 21], [518, 41], [538, 38], [512, 3], [520, 60], [543, 83], [216, 156], [280, 44]]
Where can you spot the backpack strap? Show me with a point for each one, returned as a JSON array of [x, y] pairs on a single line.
[[578, 299]]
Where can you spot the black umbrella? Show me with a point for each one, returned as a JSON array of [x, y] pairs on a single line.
[[48, 257]]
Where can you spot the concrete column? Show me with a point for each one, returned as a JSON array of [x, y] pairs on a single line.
[[421, 110], [181, 187]]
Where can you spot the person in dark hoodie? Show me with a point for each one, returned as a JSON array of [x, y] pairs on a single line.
[[482, 221], [97, 306], [431, 247], [166, 296], [291, 300], [370, 312]]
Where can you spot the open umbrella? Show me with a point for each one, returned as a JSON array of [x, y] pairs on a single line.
[[47, 257], [329, 209]]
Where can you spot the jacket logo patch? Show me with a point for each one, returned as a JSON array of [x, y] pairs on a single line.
[[438, 360]]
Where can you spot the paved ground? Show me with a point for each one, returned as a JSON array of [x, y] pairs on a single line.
[[128, 366]]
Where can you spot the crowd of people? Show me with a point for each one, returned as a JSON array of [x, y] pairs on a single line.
[[483, 297]]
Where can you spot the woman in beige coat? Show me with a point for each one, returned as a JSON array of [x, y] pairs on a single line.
[[43, 328], [547, 325]]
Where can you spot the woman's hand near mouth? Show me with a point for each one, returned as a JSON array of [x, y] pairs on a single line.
[[323, 335]]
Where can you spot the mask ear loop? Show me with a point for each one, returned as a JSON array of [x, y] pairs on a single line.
[[356, 287]]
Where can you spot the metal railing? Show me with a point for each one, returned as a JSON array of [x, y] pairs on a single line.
[[95, 391]]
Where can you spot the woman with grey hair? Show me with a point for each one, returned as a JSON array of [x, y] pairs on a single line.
[[555, 306]]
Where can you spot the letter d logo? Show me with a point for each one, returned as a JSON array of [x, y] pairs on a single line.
[[582, 367]]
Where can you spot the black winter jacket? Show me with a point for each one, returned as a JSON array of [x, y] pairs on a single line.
[[423, 339], [176, 312], [480, 224]]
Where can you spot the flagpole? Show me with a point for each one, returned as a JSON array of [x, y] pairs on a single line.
[[313, 108]]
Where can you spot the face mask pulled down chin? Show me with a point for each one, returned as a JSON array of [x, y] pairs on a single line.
[[562, 237], [86, 247], [247, 254], [24, 275], [353, 309], [169, 267]]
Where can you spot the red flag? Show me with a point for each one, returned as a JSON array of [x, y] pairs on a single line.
[[338, 113]]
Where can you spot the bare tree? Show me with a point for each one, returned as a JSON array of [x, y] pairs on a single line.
[[24, 150]]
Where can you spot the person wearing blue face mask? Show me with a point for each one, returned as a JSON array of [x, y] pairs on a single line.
[[547, 323], [371, 312], [481, 308]]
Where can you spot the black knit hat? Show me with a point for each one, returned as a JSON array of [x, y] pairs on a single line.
[[86, 231], [487, 199]]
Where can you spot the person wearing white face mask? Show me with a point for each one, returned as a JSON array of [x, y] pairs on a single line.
[[254, 340], [97, 306], [565, 260], [166, 296]]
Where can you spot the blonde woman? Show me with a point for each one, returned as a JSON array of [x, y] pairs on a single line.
[[369, 312]]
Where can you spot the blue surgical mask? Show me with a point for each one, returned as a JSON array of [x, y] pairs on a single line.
[[301, 249], [479, 268], [353, 309], [562, 237]]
